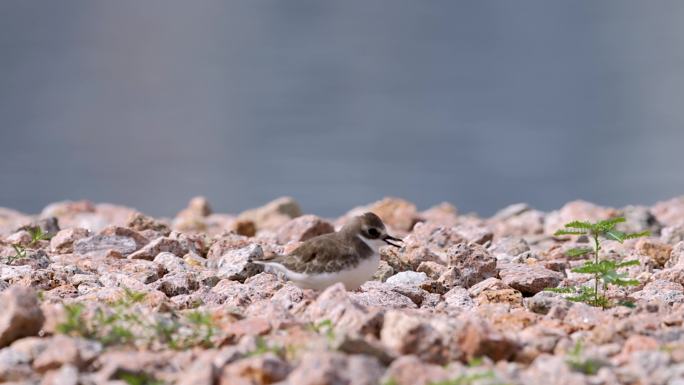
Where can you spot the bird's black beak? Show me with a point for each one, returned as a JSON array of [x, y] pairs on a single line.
[[388, 239]]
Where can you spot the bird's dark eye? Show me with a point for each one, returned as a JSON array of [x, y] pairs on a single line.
[[373, 232]]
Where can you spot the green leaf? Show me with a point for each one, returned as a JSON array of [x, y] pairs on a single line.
[[609, 224], [569, 232], [577, 251], [615, 235], [633, 262], [579, 225], [637, 235], [560, 290]]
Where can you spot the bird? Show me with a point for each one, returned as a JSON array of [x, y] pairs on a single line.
[[350, 256]]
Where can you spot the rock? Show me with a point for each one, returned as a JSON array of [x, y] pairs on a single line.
[[171, 262], [64, 350], [236, 265], [384, 296], [303, 228], [509, 247], [457, 300], [433, 270], [670, 212], [661, 290], [159, 245], [336, 368], [264, 369], [63, 241], [384, 271], [444, 214], [410, 370], [140, 222], [273, 214], [396, 213], [405, 333], [576, 211], [672, 234], [102, 245], [408, 278], [14, 365], [66, 375], [546, 367], [197, 207], [335, 304], [177, 283], [544, 301], [528, 279], [478, 339], [139, 239], [517, 220], [21, 315], [638, 219], [475, 233], [511, 297], [676, 256], [659, 253], [488, 284], [469, 264]]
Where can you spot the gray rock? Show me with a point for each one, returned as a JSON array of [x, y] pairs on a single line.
[[14, 365], [236, 265], [21, 315], [661, 290], [177, 284], [171, 262], [101, 245], [159, 245]]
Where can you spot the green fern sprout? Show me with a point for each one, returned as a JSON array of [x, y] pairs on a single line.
[[603, 271]]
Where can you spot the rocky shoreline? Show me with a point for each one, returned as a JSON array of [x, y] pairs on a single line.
[[103, 294]]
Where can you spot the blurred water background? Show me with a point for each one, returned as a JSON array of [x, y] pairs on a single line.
[[480, 103]]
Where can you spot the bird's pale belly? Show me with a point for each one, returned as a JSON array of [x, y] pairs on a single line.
[[351, 278]]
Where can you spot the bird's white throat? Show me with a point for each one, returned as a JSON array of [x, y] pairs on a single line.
[[374, 244]]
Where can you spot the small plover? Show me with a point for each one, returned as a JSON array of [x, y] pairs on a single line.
[[350, 256]]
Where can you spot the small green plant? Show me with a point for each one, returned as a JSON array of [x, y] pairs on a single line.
[[262, 347], [122, 323], [74, 324], [577, 362], [37, 235], [19, 253], [604, 272], [327, 329], [467, 379], [138, 378]]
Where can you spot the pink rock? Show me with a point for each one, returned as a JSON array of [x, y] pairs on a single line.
[[63, 241], [335, 304], [21, 315], [477, 339], [64, 350], [576, 211], [410, 370], [670, 212], [469, 264], [528, 279], [405, 333], [303, 228], [318, 368], [272, 215], [264, 369]]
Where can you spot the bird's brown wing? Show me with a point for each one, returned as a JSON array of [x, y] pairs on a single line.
[[320, 255]]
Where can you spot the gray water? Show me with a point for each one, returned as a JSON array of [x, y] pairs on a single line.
[[338, 103]]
